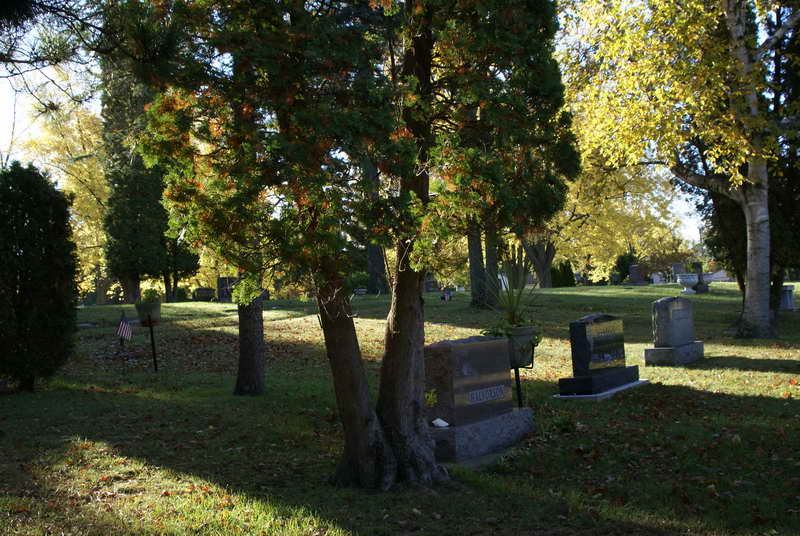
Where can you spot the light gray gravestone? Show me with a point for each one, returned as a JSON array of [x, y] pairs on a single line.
[[673, 333]]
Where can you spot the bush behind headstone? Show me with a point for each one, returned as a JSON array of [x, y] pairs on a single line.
[[38, 293], [562, 275]]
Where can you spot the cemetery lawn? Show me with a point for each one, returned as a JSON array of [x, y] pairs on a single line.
[[105, 448]]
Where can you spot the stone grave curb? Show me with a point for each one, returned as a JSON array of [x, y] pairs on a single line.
[[604, 395]]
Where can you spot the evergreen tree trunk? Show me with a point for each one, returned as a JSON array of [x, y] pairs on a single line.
[[131, 290], [169, 295], [477, 272], [541, 255], [400, 404], [492, 283], [400, 401], [175, 279], [376, 268], [367, 460], [250, 376]]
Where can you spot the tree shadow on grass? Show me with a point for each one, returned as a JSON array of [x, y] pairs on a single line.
[[655, 460], [272, 451], [731, 362]]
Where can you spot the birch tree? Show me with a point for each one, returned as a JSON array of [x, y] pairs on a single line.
[[658, 79]]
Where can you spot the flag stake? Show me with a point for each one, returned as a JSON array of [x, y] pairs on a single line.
[[152, 343]]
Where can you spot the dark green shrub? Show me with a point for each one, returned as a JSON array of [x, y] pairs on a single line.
[[37, 287], [562, 275]]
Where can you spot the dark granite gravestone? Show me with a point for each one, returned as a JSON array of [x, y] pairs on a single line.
[[673, 333], [225, 288], [636, 277], [701, 287], [787, 298], [677, 269], [468, 386], [598, 357], [203, 294], [430, 284]]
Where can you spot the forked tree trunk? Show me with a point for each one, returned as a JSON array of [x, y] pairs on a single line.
[[492, 283], [400, 402], [541, 255], [250, 376], [747, 105], [477, 272], [367, 460]]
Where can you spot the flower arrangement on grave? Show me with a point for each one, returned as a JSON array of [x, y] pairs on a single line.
[[514, 302]]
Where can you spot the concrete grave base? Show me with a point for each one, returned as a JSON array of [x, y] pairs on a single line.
[[603, 395], [675, 355], [599, 382], [461, 443]]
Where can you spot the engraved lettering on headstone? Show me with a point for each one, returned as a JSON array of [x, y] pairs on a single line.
[[487, 394]]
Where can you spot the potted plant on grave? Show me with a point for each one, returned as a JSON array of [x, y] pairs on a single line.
[[513, 302], [148, 308]]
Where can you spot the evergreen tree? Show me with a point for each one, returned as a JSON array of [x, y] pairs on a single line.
[[37, 291], [135, 220]]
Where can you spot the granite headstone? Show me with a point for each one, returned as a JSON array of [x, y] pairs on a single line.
[[673, 333], [598, 356], [701, 287], [468, 386], [225, 288], [787, 298], [203, 294], [636, 277], [677, 269]]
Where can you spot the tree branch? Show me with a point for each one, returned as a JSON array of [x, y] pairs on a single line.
[[779, 34], [712, 182]]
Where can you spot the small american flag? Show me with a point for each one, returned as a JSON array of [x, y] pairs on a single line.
[[124, 330]]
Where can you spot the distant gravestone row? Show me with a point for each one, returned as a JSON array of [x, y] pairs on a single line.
[[468, 393]]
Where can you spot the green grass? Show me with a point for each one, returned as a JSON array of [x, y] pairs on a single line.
[[106, 448]]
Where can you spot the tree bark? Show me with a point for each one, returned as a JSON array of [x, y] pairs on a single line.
[[367, 460], [250, 375], [490, 272], [376, 268], [477, 272], [755, 316], [400, 402], [169, 296], [541, 255], [130, 288], [746, 104]]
